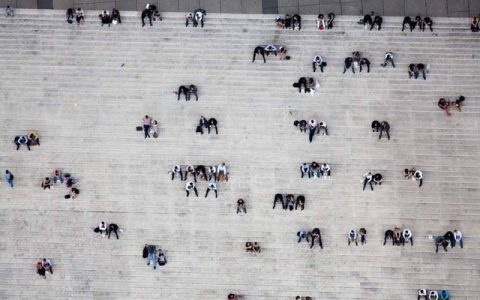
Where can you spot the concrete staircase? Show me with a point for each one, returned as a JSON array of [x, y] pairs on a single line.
[[67, 82]]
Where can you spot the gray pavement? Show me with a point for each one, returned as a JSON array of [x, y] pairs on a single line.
[[432, 8], [85, 89]]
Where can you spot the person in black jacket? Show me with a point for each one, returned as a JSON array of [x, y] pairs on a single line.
[[278, 197], [348, 64], [301, 81], [113, 227], [408, 21], [367, 21], [377, 21], [259, 50], [427, 22], [296, 22], [365, 62], [384, 126], [212, 122], [375, 126], [192, 90], [146, 13], [183, 90]]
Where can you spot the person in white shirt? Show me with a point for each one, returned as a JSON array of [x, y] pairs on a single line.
[[177, 169], [388, 59], [199, 16], [190, 186], [458, 237], [368, 178], [212, 173], [212, 186], [433, 295], [325, 168], [318, 62], [103, 228], [305, 169], [47, 265], [418, 176], [407, 236], [352, 237], [9, 11], [321, 22], [222, 170], [79, 15]]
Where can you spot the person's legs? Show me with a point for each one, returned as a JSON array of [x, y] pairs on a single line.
[[320, 242], [196, 191], [461, 243], [18, 145], [371, 185], [421, 182], [381, 131], [388, 133], [311, 245], [424, 76], [10, 182], [393, 63], [115, 231], [314, 66], [365, 181], [146, 129], [173, 175], [216, 129], [188, 193], [206, 193], [311, 134]]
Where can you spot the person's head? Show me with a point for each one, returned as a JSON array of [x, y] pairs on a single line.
[[7, 172], [8, 6], [146, 116], [363, 231], [248, 244], [298, 298], [47, 179], [240, 201], [310, 80], [320, 16], [79, 8], [406, 171], [155, 122], [296, 123], [351, 233]]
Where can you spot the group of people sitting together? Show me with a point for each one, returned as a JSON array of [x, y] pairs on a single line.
[[445, 104], [356, 61], [415, 175], [253, 247], [44, 266], [322, 25], [106, 229], [154, 256], [288, 22], [150, 11], [313, 235], [107, 18], [421, 23], [369, 21], [415, 69], [398, 236], [187, 92], [314, 127], [59, 178], [433, 295], [218, 173], [381, 127], [207, 124], [369, 178], [212, 175], [449, 238], [353, 236], [150, 127], [30, 139], [268, 50], [289, 201], [78, 15], [309, 84], [315, 170], [195, 17]]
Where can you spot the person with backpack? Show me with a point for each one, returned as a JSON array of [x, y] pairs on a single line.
[[331, 17], [388, 59], [161, 259], [199, 16]]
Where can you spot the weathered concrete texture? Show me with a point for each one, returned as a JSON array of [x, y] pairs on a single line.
[[68, 82]]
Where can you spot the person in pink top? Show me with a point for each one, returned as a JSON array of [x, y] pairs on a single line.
[[147, 123]]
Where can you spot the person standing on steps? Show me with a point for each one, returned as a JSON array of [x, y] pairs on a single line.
[[147, 123], [9, 178], [318, 62]]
